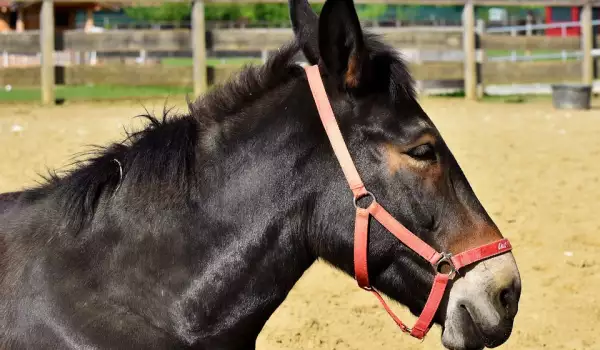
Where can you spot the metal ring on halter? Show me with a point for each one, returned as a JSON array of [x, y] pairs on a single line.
[[368, 194], [446, 259]]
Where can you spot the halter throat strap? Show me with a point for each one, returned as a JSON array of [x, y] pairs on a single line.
[[363, 215]]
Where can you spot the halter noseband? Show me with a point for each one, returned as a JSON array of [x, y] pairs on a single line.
[[361, 230]]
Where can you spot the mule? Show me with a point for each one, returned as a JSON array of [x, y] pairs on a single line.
[[7, 200], [192, 231]]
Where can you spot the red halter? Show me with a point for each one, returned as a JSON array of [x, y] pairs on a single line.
[[361, 230]]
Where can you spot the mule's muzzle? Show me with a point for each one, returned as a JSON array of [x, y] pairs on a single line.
[[482, 305], [491, 334]]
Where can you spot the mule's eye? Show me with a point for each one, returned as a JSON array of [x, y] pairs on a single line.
[[424, 152]]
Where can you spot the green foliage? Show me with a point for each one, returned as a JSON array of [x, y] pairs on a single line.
[[227, 12], [215, 12], [271, 12], [372, 11], [279, 13], [139, 13], [406, 12], [68, 93], [274, 13], [167, 12]]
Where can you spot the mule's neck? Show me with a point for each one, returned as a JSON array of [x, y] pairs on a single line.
[[258, 200]]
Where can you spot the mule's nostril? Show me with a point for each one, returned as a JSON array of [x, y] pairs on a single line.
[[505, 297], [509, 299]]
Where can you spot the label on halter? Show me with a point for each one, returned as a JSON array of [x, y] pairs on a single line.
[[503, 245]]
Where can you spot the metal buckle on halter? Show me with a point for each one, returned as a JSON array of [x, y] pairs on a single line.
[[368, 194], [446, 261]]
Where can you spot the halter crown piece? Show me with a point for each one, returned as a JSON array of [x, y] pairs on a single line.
[[453, 263]]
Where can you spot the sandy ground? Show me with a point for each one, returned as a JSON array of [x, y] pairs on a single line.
[[535, 169]]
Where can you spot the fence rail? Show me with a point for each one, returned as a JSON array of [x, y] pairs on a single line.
[[143, 75], [505, 42], [446, 66], [254, 39], [112, 40], [248, 40], [521, 28]]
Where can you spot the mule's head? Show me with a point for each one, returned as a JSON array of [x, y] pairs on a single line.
[[404, 161]]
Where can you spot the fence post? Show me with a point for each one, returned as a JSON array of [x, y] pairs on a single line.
[[480, 58], [143, 56], [563, 34], [529, 31], [513, 53], [199, 47], [47, 51], [587, 45], [20, 25], [470, 74]]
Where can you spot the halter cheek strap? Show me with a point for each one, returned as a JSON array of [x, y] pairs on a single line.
[[363, 215]]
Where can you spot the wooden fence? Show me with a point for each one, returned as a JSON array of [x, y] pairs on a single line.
[[473, 68], [263, 39], [253, 39], [147, 75]]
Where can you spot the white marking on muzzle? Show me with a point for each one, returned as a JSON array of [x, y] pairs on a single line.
[[478, 292]]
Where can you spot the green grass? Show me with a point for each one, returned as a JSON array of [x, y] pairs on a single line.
[[85, 93], [107, 93], [521, 53], [89, 93], [185, 61], [103, 92]]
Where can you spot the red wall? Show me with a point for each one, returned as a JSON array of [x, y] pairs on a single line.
[[571, 31]]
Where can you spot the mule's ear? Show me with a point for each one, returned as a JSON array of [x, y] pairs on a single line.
[[305, 23], [341, 42]]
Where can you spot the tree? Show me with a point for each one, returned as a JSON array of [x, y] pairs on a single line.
[[406, 12], [167, 12], [372, 12]]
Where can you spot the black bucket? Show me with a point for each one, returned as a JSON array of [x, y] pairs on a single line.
[[572, 96]]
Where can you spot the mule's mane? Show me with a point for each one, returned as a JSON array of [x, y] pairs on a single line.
[[163, 155], [251, 83], [245, 88]]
